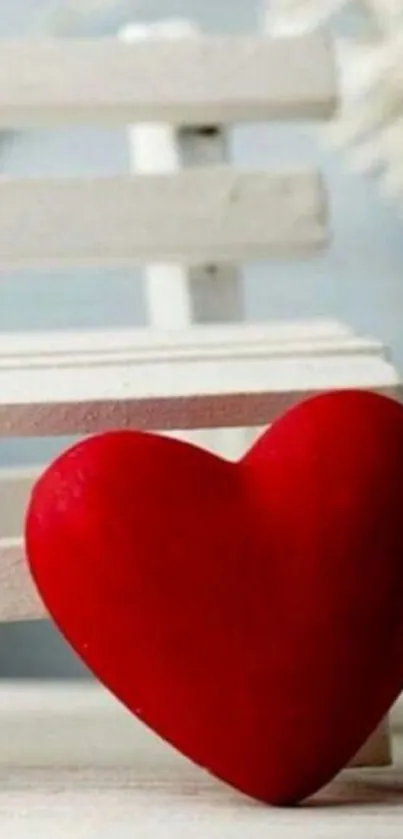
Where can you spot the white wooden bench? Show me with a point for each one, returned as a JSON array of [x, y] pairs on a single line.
[[190, 217]]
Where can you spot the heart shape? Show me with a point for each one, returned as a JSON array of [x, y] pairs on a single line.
[[251, 614]]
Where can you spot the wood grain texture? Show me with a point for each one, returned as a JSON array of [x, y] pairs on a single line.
[[218, 79], [177, 393], [72, 350], [20, 347], [213, 214], [48, 351], [237, 410]]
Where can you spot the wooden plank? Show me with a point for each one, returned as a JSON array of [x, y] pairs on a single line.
[[52, 725], [220, 343], [176, 393], [194, 350], [215, 214], [50, 350], [216, 79], [23, 346], [102, 347], [215, 344]]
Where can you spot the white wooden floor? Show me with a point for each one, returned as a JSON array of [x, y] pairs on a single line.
[[142, 789]]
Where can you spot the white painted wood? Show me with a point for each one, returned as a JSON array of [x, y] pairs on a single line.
[[137, 352], [227, 442], [216, 79], [253, 344], [213, 214], [23, 347], [96, 349], [175, 393], [210, 373]]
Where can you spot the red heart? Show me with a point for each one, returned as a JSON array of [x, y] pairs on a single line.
[[251, 613]]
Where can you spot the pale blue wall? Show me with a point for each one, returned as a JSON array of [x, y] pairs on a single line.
[[359, 279]]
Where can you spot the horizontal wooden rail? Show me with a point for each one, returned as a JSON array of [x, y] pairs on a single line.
[[175, 393], [24, 346], [201, 80], [132, 354], [273, 343], [196, 216]]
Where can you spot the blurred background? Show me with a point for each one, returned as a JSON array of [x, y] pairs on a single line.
[[358, 280]]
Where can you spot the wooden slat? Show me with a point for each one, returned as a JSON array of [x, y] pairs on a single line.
[[175, 393], [23, 346], [22, 353], [214, 214], [139, 353], [103, 347], [203, 80], [48, 353]]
